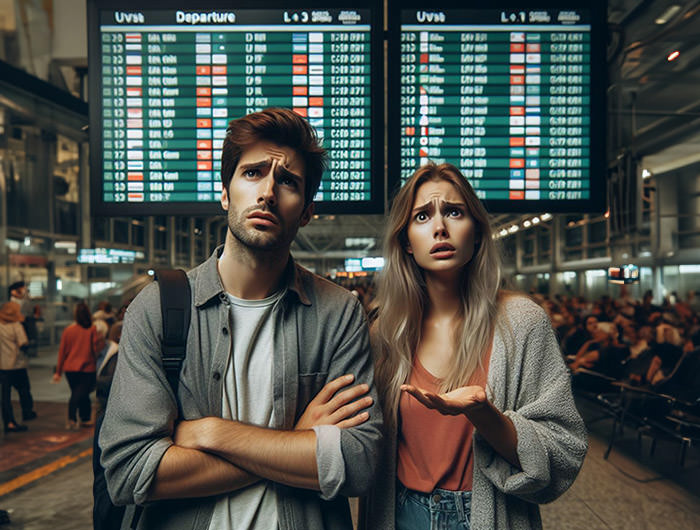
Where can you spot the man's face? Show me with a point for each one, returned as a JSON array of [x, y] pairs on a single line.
[[265, 198], [19, 292]]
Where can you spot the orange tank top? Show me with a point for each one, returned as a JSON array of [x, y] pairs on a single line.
[[434, 450]]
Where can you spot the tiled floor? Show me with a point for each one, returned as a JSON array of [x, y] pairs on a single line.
[[605, 497]]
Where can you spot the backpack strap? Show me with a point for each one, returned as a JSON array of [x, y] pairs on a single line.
[[176, 308]]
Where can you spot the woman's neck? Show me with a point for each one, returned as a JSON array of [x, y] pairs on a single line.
[[443, 296]]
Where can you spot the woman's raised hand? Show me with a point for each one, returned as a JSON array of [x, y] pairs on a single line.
[[463, 400]]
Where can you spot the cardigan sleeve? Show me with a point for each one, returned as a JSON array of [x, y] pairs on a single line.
[[551, 434]]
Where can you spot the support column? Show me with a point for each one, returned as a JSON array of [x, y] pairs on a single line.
[[172, 250], [150, 241], [192, 240], [4, 253]]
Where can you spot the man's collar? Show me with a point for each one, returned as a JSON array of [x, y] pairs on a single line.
[[208, 282]]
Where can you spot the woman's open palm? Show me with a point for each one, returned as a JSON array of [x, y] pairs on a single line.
[[461, 400]]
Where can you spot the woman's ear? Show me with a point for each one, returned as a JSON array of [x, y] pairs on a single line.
[[408, 248]]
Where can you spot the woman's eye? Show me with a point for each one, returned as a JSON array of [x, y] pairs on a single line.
[[421, 216], [454, 212], [250, 172]]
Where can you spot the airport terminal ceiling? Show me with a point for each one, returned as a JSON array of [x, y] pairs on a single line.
[[653, 102]]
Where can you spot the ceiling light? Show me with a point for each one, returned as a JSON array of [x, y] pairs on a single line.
[[513, 229], [646, 174], [673, 55], [535, 220], [546, 216], [667, 15], [504, 232], [527, 223]]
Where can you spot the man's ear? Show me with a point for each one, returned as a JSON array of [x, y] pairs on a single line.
[[224, 198], [306, 216]]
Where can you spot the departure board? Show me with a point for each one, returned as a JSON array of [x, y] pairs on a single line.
[[512, 97], [171, 79]]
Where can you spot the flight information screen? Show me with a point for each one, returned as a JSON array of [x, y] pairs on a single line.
[[512, 97], [170, 80]]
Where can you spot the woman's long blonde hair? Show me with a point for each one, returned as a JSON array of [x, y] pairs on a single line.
[[402, 294]]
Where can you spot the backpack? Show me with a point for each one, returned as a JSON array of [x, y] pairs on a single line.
[[175, 307]]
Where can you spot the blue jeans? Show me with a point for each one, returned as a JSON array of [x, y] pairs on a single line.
[[439, 510]]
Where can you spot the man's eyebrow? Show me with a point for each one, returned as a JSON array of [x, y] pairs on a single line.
[[255, 165], [283, 171]]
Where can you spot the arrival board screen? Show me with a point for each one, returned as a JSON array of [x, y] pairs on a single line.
[[510, 96], [172, 79]]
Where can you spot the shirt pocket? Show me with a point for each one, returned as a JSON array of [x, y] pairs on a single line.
[[309, 385]]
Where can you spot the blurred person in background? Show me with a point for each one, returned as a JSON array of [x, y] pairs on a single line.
[[105, 312], [17, 292], [13, 367], [77, 354], [579, 335]]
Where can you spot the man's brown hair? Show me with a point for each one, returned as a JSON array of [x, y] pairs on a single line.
[[279, 126]]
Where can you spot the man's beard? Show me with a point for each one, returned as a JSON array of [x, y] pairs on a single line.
[[260, 240]]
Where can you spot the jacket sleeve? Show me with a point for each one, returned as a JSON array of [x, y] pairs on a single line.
[[141, 409], [551, 434], [347, 458]]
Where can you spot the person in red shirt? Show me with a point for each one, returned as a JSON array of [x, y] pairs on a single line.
[[77, 355]]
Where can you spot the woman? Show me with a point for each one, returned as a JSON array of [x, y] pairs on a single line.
[[13, 367], [80, 343], [480, 420]]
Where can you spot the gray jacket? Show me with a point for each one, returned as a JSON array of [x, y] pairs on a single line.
[[320, 334], [527, 380]]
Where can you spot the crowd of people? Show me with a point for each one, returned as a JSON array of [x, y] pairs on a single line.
[[638, 342]]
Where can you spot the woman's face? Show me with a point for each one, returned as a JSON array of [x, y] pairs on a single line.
[[591, 325], [441, 233]]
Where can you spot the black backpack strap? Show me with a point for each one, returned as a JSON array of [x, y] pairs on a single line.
[[176, 308]]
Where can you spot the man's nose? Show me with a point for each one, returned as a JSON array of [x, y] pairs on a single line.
[[268, 190]]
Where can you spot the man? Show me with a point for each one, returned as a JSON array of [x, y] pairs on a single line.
[[266, 336], [17, 292]]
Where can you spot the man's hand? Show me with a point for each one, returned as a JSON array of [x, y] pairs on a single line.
[[342, 410], [464, 400]]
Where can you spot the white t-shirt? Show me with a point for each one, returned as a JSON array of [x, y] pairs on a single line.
[[247, 397]]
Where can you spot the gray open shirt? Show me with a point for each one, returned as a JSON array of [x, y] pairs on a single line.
[[320, 333]]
